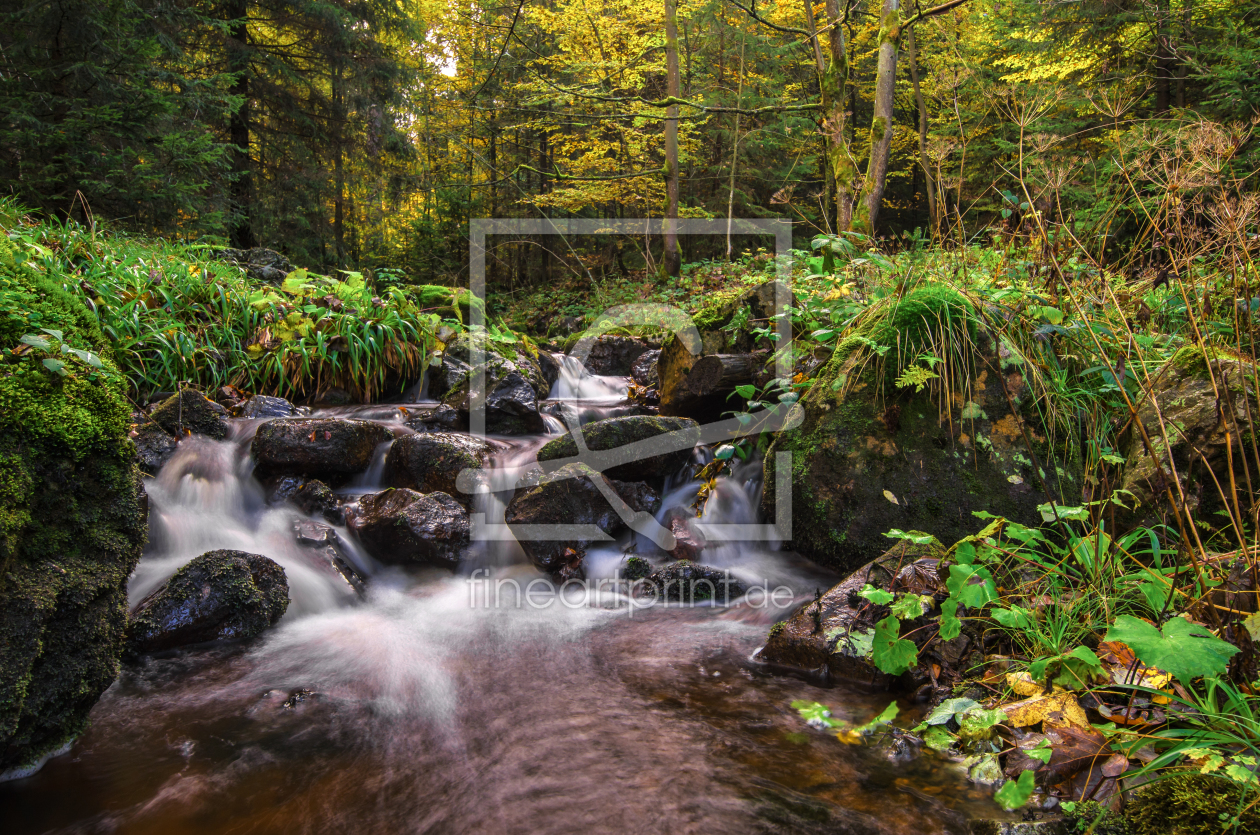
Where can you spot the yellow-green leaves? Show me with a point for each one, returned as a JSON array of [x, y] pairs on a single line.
[[891, 653], [1187, 650]]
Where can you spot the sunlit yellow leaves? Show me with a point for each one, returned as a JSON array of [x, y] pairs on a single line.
[[1059, 707]]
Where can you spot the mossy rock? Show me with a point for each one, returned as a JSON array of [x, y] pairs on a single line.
[[756, 306], [618, 436], [1190, 804], [72, 519], [447, 302], [1195, 392], [871, 456], [192, 412]]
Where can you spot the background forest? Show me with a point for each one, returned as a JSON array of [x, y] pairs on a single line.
[[364, 134]]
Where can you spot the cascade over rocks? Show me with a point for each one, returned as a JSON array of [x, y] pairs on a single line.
[[517, 377], [401, 526], [615, 436], [220, 595], [758, 305], [432, 461], [331, 449], [613, 356], [191, 411], [72, 522], [311, 496], [1205, 404], [568, 496], [323, 543], [871, 456]]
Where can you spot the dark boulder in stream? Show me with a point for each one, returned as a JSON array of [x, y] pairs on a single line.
[[311, 496], [569, 496], [192, 412], [401, 526], [72, 521], [517, 377], [686, 582], [432, 461], [628, 450], [264, 406], [331, 449], [643, 371], [154, 445], [609, 355], [220, 595], [322, 542]]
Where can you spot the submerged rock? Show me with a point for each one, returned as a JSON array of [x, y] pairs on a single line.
[[871, 454], [432, 461], [568, 496], [676, 360], [401, 526], [611, 355], [220, 595], [192, 412], [322, 542], [620, 460], [332, 449], [72, 522], [686, 582]]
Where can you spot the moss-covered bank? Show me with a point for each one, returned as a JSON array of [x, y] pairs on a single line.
[[72, 514]]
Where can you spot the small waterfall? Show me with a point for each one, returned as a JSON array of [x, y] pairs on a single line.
[[576, 383], [373, 478]]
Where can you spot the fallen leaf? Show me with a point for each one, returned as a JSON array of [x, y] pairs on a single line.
[[1252, 624], [1115, 765], [1054, 709], [1022, 683], [888, 495]]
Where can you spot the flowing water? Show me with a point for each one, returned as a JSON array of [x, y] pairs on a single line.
[[432, 707]]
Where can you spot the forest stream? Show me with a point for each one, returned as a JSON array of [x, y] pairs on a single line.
[[419, 708]]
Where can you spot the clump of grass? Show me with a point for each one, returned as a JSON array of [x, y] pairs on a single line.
[[173, 316]]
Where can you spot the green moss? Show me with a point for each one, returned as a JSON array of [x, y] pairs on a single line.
[[1189, 804], [71, 517]]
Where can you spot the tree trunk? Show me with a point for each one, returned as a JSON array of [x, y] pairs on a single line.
[[241, 233], [730, 197], [840, 162], [672, 261], [717, 373], [882, 121], [339, 175], [933, 213]]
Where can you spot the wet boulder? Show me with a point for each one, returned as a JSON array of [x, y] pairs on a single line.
[[154, 445], [310, 495], [192, 412], [875, 452], [509, 399], [686, 582], [569, 496], [263, 406], [612, 356], [432, 461], [1205, 404], [402, 527], [633, 447], [323, 544], [756, 307], [522, 356], [643, 371], [831, 636], [220, 595], [331, 449]]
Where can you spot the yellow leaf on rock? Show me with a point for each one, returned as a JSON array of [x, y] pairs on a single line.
[[1057, 708], [888, 495]]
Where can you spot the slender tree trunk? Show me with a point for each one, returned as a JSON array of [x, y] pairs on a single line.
[[241, 232], [930, 183], [672, 260], [730, 197], [882, 121], [839, 156], [339, 174], [1164, 61]]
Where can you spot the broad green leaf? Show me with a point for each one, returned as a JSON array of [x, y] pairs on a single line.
[[938, 738], [294, 283], [950, 625], [815, 713], [856, 643], [36, 341], [948, 709], [1185, 649], [746, 391], [917, 537], [911, 606], [885, 717], [1016, 793], [56, 366], [1042, 752], [55, 334], [1052, 315], [891, 654], [1015, 617], [978, 721], [877, 596], [724, 453], [973, 586]]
